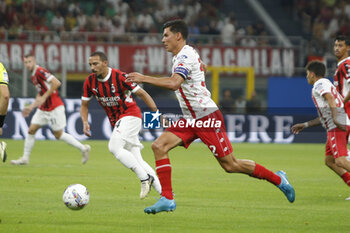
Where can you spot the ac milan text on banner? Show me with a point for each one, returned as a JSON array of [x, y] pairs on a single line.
[[146, 59]]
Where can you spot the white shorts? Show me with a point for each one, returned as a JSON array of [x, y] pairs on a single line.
[[128, 128], [56, 118]]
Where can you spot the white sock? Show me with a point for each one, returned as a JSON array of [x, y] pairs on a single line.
[[126, 158], [28, 145], [67, 138], [137, 154]]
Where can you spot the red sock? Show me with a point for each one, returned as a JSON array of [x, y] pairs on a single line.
[[346, 178], [163, 168], [261, 172]]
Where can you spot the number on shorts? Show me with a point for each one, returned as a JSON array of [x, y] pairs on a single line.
[[117, 124], [53, 121], [213, 150]]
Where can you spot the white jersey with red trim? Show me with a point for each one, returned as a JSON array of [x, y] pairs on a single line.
[[194, 98], [320, 88]]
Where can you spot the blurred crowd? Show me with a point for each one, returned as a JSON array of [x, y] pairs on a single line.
[[121, 17], [239, 105], [322, 20]]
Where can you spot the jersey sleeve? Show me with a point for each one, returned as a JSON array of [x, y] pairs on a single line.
[[131, 86], [323, 87], [4, 79], [45, 75], [86, 92], [182, 65], [346, 69]]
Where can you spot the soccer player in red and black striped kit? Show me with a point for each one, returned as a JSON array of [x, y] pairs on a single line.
[[50, 111], [342, 83], [109, 88], [342, 74]]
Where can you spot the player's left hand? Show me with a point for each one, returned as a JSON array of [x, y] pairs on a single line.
[[86, 129], [340, 126], [135, 77], [297, 128]]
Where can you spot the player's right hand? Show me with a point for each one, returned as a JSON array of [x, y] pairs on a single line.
[[134, 77], [26, 111], [86, 129]]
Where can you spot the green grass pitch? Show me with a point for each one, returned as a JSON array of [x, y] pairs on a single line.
[[208, 199]]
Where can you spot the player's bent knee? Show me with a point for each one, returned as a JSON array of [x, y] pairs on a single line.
[[116, 146], [328, 163], [158, 148], [113, 149], [58, 134], [32, 131]]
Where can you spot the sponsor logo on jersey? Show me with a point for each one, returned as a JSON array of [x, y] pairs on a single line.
[[113, 88], [182, 58]]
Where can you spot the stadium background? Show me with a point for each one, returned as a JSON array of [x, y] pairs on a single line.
[[276, 38]]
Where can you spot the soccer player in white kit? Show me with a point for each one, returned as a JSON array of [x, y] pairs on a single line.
[[188, 82], [332, 116], [50, 111]]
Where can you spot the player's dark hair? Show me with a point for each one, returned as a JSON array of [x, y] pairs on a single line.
[[177, 25], [102, 55], [30, 54], [316, 67], [342, 38]]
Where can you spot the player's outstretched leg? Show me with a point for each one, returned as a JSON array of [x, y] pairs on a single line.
[[286, 187], [163, 204], [3, 154]]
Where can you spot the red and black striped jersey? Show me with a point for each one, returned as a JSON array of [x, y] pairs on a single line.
[[41, 79], [113, 93], [342, 77]]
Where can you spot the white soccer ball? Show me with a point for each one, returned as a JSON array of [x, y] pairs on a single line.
[[76, 196]]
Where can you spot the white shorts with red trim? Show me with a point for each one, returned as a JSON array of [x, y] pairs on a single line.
[[56, 118]]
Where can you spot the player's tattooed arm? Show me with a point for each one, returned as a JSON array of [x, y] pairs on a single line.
[[297, 128]]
